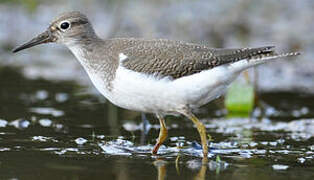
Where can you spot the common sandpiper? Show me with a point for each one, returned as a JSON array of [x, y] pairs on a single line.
[[153, 76]]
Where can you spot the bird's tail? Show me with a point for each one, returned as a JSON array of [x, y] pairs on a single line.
[[260, 59]]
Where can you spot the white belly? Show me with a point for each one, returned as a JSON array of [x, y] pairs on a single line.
[[140, 92]]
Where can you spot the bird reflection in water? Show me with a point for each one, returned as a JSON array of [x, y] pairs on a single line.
[[161, 164]]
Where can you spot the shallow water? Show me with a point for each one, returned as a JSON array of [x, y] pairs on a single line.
[[57, 130]]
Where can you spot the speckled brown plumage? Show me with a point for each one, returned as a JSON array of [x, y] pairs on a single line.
[[177, 59]]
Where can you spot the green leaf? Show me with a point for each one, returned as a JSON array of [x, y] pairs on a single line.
[[239, 100], [218, 160]]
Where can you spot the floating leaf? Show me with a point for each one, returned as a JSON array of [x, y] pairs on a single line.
[[240, 99]]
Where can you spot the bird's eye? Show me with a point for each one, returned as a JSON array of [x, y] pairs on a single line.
[[65, 25]]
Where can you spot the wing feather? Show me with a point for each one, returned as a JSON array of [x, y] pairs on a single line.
[[178, 59]]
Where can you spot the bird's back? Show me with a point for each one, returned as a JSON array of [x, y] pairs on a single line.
[[177, 59]]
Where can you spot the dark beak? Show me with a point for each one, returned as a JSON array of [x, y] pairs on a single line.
[[42, 38]]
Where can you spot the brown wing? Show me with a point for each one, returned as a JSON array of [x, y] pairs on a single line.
[[177, 59]]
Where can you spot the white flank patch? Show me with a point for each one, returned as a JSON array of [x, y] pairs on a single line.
[[142, 92], [122, 57], [138, 91]]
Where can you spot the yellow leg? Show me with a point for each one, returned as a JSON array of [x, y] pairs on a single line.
[[201, 130], [163, 133]]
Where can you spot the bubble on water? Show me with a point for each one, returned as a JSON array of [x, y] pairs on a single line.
[[309, 157], [86, 126], [41, 94], [300, 112], [72, 149], [304, 110], [296, 113], [274, 143], [80, 141], [131, 126], [270, 111], [253, 144], [100, 136], [174, 126], [281, 141], [259, 151], [20, 123], [122, 142], [301, 160], [118, 147], [45, 122], [224, 145], [245, 153], [112, 149], [61, 97], [5, 149], [47, 111], [120, 137], [280, 167], [284, 151], [63, 151], [39, 138], [194, 164], [3, 123], [220, 112], [257, 112], [298, 136], [24, 124], [180, 144], [13, 179], [264, 143], [50, 149], [173, 138], [58, 126], [43, 139], [244, 146]]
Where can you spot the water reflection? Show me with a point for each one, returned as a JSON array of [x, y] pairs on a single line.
[[161, 168], [200, 166], [201, 175]]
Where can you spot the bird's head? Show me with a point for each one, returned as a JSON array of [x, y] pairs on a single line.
[[69, 28]]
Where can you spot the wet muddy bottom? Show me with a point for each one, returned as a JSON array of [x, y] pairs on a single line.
[[58, 130]]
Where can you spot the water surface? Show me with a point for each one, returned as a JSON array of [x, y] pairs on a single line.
[[58, 130]]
